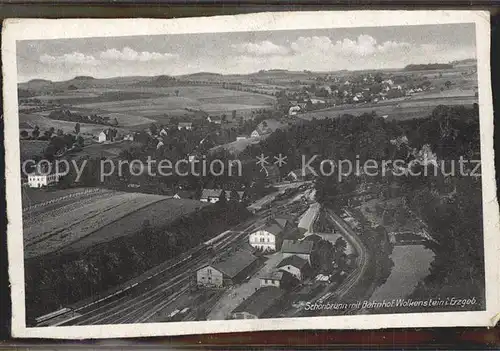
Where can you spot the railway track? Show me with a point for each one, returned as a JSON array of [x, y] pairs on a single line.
[[142, 298]]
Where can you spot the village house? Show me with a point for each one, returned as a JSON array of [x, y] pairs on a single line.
[[303, 249], [294, 110], [102, 137], [37, 179], [279, 279], [163, 132], [232, 270], [265, 127], [260, 304], [106, 135], [185, 125], [210, 195], [295, 265]]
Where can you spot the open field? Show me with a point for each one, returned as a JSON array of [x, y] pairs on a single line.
[[107, 150], [207, 98], [157, 214], [85, 216], [32, 196], [134, 105]]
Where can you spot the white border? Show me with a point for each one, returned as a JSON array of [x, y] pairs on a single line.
[[19, 29]]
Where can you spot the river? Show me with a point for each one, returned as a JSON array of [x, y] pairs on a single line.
[[411, 265]]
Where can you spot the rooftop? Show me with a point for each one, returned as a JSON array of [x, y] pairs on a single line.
[[273, 229], [294, 261], [236, 263], [275, 275], [261, 301], [297, 247], [206, 193]]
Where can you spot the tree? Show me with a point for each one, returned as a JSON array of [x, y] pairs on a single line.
[[77, 128], [80, 141], [176, 92], [340, 245], [222, 198], [60, 132], [36, 132], [447, 84], [233, 115], [24, 134], [322, 257], [234, 196], [153, 128]]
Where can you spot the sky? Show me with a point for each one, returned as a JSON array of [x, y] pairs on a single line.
[[245, 52]]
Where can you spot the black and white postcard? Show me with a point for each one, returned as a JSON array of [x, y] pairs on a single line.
[[273, 171]]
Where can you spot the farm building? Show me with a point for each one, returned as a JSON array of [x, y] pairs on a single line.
[[279, 279], [303, 249], [230, 271], [294, 265], [185, 125], [259, 304]]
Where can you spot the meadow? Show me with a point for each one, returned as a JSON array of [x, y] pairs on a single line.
[[176, 100], [90, 218]]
